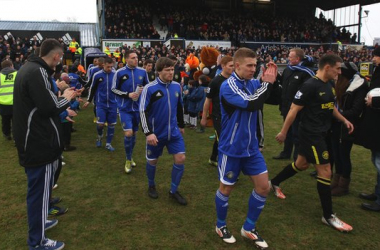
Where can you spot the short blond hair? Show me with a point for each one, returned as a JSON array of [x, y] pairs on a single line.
[[242, 53]]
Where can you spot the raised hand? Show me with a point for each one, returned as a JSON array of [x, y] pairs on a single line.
[[270, 73]]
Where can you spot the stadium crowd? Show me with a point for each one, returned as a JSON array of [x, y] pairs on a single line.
[[18, 50], [203, 23]]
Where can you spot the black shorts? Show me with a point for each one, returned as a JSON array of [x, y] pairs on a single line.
[[313, 147]]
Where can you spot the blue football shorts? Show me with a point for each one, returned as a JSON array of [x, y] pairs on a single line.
[[230, 167], [129, 120], [174, 146], [105, 114]]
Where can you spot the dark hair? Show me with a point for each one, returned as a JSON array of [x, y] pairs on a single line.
[[128, 52], [193, 83], [108, 60], [73, 69], [100, 60], [330, 59], [340, 88], [50, 45], [173, 57], [6, 63], [164, 62], [244, 53], [204, 79], [147, 61]]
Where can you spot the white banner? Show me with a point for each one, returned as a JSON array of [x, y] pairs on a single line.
[[351, 47], [199, 44], [115, 44], [167, 44]]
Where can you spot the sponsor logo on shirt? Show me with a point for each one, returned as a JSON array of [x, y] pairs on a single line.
[[329, 105]]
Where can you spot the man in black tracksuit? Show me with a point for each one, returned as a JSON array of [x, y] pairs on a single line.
[[212, 97], [37, 135], [292, 79]]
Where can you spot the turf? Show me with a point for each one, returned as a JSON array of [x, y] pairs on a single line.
[[109, 209]]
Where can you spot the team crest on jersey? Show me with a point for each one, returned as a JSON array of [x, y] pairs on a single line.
[[230, 175], [140, 77], [176, 94], [152, 77], [298, 95], [176, 77], [148, 152], [333, 90], [295, 77], [325, 155]]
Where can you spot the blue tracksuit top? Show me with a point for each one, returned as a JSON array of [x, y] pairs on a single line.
[[240, 99], [92, 72], [161, 109], [126, 81], [74, 81], [101, 89]]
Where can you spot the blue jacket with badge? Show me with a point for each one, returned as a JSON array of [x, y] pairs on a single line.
[[196, 99], [240, 99], [161, 109], [125, 81], [101, 89]]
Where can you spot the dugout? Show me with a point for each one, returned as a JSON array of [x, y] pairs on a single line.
[[89, 54]]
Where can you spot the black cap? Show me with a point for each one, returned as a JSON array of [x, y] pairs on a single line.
[[349, 69]]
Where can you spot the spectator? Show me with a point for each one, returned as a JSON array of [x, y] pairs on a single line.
[[368, 134], [37, 156], [7, 79], [351, 90], [195, 105], [293, 77]]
